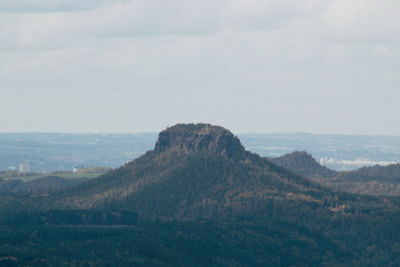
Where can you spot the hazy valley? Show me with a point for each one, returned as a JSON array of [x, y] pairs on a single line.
[[50, 152]]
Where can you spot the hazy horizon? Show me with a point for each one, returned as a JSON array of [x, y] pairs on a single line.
[[235, 133]]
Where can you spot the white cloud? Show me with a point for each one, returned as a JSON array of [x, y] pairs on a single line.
[[327, 20], [363, 20], [19, 6], [267, 15]]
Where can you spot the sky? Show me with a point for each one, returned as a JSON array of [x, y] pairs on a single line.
[[252, 66]]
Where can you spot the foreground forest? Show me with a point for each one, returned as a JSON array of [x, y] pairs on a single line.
[[278, 240]]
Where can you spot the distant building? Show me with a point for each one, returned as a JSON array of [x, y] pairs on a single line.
[[77, 168], [24, 167]]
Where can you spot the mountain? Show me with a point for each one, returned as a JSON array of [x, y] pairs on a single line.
[[304, 164], [197, 170]]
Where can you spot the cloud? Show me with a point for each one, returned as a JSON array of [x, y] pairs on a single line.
[[21, 6], [267, 15], [363, 20], [324, 20], [119, 19], [139, 18]]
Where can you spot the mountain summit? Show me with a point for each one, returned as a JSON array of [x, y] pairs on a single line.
[[199, 137]]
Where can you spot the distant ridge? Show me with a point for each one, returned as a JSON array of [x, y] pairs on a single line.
[[389, 173], [375, 180]]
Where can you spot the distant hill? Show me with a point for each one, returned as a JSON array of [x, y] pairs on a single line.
[[375, 180], [304, 164]]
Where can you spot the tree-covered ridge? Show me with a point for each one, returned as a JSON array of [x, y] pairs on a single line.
[[390, 173], [375, 180]]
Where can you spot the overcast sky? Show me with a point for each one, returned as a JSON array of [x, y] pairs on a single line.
[[319, 66]]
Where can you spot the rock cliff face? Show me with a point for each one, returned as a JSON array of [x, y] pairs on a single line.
[[199, 137]]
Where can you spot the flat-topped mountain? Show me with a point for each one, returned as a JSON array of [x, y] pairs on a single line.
[[196, 170], [304, 164]]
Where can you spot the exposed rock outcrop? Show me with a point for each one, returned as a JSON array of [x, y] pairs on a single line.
[[199, 137]]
